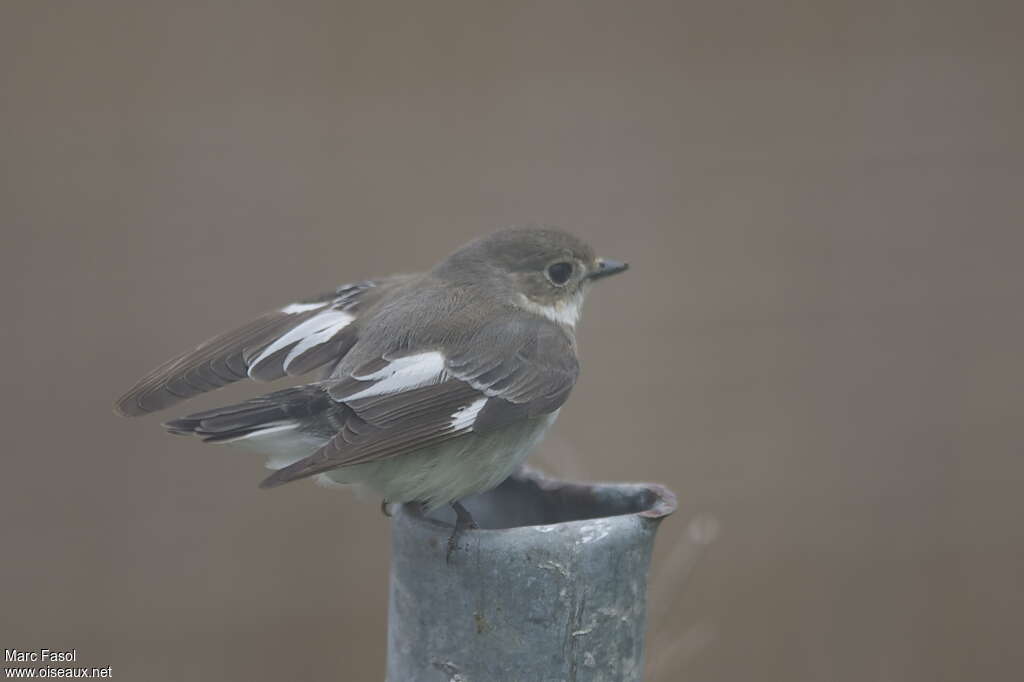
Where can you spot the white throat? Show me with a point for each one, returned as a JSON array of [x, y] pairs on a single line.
[[566, 312]]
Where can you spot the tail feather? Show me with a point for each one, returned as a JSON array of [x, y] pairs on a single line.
[[287, 425]]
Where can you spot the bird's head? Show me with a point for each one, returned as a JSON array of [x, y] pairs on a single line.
[[544, 270]]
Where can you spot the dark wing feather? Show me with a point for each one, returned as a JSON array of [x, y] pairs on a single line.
[[301, 337], [521, 368], [527, 367]]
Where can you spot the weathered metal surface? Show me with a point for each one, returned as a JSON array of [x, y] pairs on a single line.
[[552, 588]]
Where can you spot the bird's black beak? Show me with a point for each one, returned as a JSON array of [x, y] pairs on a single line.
[[606, 267]]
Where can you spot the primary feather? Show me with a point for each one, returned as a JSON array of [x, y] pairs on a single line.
[[292, 340]]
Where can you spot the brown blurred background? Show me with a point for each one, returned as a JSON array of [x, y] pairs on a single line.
[[819, 343]]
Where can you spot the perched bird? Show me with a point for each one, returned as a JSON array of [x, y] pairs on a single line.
[[436, 385]]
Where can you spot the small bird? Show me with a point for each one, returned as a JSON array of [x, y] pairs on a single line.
[[436, 385]]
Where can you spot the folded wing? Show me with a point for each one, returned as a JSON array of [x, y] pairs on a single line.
[[513, 369], [293, 340]]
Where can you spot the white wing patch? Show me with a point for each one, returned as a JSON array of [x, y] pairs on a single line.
[[296, 308], [465, 416], [316, 330], [403, 374], [335, 321]]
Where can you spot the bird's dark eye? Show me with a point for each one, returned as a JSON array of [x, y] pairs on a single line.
[[559, 273]]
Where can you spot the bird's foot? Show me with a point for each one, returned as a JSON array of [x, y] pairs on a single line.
[[463, 522]]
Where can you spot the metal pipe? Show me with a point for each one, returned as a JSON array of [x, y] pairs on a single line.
[[552, 587]]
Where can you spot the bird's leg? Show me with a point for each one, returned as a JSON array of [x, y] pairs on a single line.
[[463, 521], [384, 508]]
